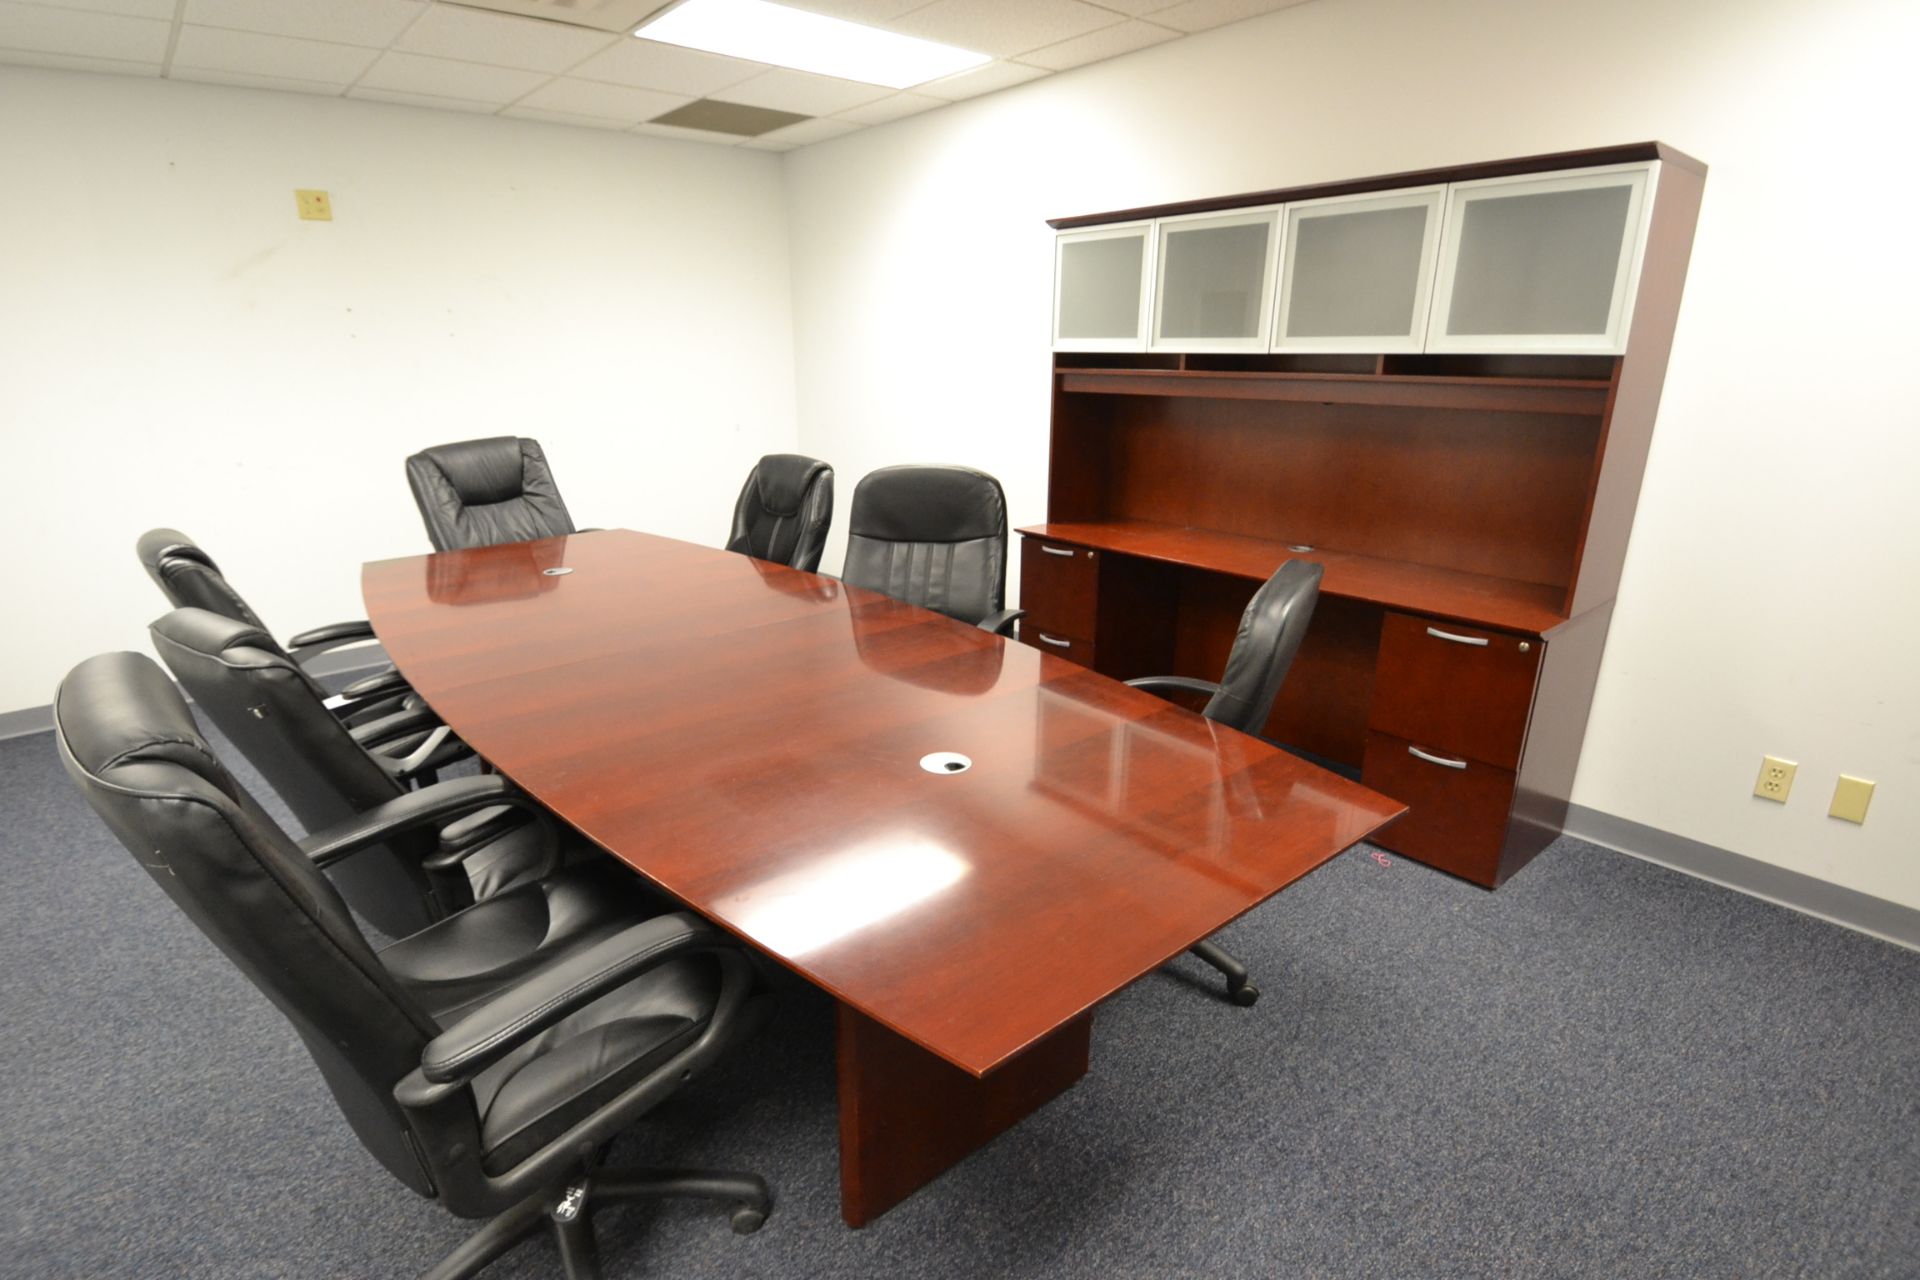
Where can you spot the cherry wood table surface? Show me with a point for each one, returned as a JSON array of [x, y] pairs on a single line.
[[749, 737]]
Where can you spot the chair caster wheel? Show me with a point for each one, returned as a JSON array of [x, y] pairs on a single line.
[[1244, 995], [746, 1220]]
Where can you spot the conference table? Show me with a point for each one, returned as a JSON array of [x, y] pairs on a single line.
[[969, 844]]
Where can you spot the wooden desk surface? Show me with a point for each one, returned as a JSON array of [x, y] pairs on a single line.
[[749, 737], [1471, 597]]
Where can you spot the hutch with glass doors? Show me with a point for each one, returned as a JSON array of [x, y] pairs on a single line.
[[1439, 385]]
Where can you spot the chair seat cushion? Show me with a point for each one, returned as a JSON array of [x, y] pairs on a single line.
[[533, 1095], [457, 962]]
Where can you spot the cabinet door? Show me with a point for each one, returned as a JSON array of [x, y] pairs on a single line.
[[1100, 288], [1356, 272], [1213, 281], [1545, 262]]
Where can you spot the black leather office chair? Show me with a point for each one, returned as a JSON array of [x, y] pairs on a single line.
[[189, 578], [1271, 628], [935, 537], [479, 493], [490, 1094], [784, 511], [327, 772]]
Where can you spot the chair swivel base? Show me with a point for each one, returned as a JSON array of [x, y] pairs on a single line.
[[567, 1212], [1240, 989]]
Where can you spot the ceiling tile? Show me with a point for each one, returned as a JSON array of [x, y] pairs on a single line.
[[602, 101], [1202, 15], [445, 78], [421, 100], [373, 23], [802, 91], [969, 84], [898, 107], [283, 84], [1108, 42], [872, 13], [212, 49], [566, 117], [648, 64], [501, 40], [161, 9], [68, 62], [1003, 27], [74, 31], [800, 135], [685, 135]]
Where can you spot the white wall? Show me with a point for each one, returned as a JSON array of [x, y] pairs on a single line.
[[1770, 598], [178, 349]]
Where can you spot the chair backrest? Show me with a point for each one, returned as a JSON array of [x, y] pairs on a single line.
[[277, 716], [932, 536], [478, 493], [784, 510], [189, 578], [1270, 632], [131, 746]]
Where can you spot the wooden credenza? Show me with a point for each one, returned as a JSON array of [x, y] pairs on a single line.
[[1471, 509]]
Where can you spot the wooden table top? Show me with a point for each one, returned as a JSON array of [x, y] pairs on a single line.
[[749, 737]]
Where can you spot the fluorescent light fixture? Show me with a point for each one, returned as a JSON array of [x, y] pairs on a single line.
[[763, 32]]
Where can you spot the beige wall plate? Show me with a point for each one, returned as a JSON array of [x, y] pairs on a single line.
[[1851, 796], [314, 206]]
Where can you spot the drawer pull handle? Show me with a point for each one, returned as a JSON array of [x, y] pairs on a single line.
[[1442, 761], [1438, 634], [1056, 643], [1057, 551]]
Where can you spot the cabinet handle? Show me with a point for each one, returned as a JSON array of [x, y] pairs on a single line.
[[1442, 761], [1057, 551], [1438, 634], [1058, 644]]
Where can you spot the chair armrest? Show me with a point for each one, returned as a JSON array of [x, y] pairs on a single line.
[[389, 681], [1001, 623], [375, 734], [440, 803], [309, 644], [524, 1010], [1186, 684]]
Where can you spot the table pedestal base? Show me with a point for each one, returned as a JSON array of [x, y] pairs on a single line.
[[906, 1115]]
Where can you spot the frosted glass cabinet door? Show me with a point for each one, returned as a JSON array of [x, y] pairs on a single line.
[[1356, 272], [1213, 281], [1100, 288], [1546, 262]]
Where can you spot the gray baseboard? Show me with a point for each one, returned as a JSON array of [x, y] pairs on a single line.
[[1793, 889], [337, 662]]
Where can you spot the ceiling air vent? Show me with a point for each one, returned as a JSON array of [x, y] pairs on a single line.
[[598, 15]]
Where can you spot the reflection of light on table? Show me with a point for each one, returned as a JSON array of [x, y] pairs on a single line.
[[804, 910]]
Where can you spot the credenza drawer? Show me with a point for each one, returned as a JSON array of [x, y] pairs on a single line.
[[1059, 586], [1072, 648], [1457, 808], [1461, 690]]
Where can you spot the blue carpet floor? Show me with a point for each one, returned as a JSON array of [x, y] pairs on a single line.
[[1605, 1069]]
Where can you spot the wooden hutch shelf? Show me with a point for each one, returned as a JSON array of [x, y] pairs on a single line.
[[1578, 396]]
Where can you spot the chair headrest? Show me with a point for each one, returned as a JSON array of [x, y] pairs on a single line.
[[928, 504], [206, 632], [483, 471], [157, 546], [120, 709], [782, 480]]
